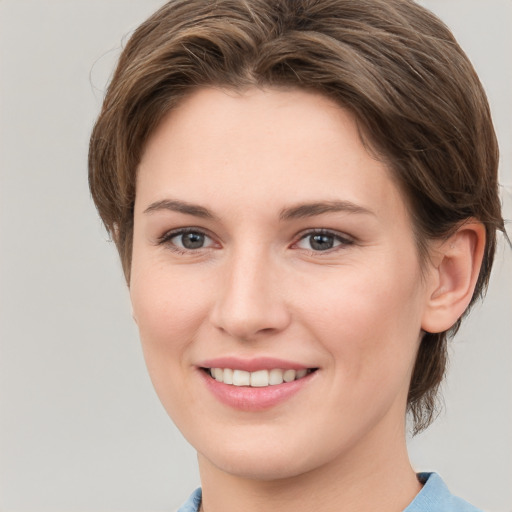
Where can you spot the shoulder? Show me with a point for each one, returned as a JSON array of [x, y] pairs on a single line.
[[193, 502], [435, 497]]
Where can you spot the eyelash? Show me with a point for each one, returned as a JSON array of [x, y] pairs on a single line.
[[166, 238], [344, 241]]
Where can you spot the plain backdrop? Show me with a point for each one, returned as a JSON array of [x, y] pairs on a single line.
[[80, 426]]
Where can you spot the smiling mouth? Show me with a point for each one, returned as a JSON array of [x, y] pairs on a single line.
[[257, 379]]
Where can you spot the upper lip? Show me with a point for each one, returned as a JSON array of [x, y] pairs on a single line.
[[253, 364]]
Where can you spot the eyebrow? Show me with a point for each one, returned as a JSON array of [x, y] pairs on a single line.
[[293, 212], [181, 207], [318, 208]]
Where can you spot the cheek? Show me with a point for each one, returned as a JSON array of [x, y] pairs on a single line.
[[164, 298], [370, 319], [169, 310]]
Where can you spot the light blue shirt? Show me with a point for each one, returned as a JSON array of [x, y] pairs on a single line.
[[433, 497]]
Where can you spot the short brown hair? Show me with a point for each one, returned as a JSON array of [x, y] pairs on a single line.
[[396, 66]]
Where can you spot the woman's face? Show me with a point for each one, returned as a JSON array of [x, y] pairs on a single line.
[[267, 239]]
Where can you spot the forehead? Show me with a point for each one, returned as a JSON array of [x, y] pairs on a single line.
[[269, 147]]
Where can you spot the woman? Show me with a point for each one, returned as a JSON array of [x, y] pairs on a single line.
[[304, 198]]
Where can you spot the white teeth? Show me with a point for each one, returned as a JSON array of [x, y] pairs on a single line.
[[241, 378], [301, 373], [289, 375], [228, 376], [275, 376], [258, 379]]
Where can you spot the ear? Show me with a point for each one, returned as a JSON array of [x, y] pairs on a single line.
[[455, 268]]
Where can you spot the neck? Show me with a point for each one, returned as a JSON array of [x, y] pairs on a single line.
[[379, 477]]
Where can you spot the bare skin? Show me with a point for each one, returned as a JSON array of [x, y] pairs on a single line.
[[264, 229]]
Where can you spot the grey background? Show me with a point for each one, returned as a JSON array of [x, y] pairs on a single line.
[[80, 426]]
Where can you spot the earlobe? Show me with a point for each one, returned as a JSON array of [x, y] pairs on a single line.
[[455, 271]]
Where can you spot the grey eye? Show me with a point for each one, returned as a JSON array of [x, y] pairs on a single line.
[[322, 241], [191, 240]]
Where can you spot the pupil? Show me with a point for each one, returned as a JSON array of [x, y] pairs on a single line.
[[192, 240], [321, 242]]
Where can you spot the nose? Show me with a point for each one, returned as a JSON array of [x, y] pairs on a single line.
[[251, 301]]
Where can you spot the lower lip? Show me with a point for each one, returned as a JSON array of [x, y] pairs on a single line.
[[246, 398]]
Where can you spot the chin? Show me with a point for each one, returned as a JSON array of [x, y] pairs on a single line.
[[263, 466], [263, 461]]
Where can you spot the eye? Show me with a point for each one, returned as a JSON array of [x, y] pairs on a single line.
[[187, 240], [322, 240]]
